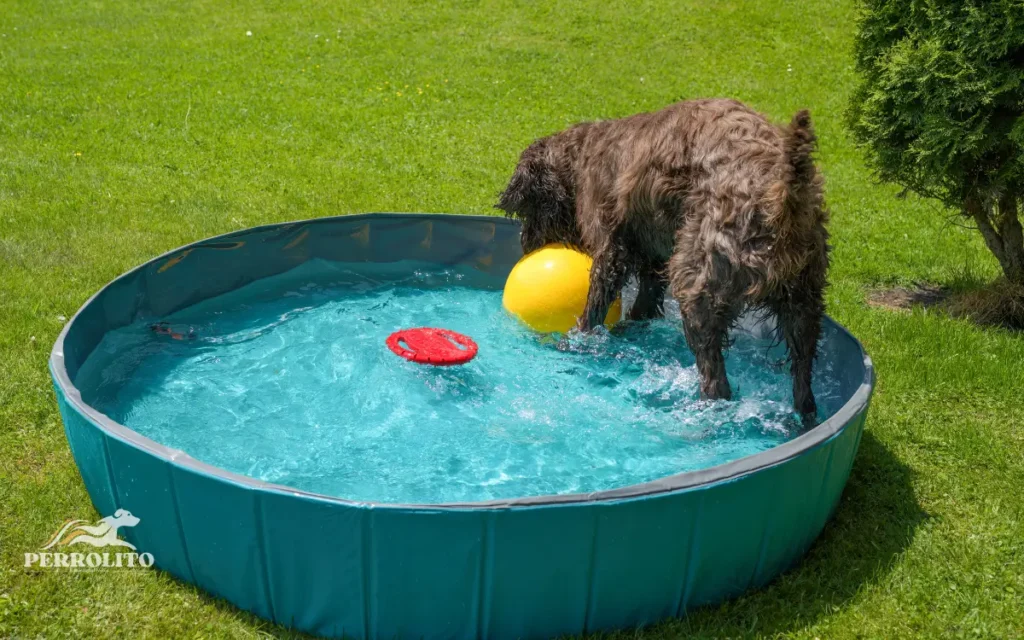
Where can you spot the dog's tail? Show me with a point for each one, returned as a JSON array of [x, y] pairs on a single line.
[[792, 201]]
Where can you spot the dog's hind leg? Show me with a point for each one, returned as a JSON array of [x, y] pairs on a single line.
[[706, 327], [650, 296], [702, 285], [799, 311]]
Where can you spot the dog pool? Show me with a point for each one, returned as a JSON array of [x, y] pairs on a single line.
[[288, 380], [278, 455]]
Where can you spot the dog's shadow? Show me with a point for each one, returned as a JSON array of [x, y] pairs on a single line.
[[874, 524]]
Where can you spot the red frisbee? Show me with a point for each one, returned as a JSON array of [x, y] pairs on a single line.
[[427, 345]]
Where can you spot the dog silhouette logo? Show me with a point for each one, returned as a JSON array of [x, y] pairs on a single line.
[[101, 534]]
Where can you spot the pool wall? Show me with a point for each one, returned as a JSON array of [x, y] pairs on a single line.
[[521, 568]]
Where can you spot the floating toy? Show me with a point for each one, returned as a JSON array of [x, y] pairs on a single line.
[[547, 289], [427, 345], [165, 329]]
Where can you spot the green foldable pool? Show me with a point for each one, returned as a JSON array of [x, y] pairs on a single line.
[[535, 566]]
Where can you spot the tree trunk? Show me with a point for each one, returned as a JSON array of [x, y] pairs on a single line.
[[1001, 228]]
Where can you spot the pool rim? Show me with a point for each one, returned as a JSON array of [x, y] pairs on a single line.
[[684, 481]]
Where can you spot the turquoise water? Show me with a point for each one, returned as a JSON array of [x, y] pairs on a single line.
[[289, 381]]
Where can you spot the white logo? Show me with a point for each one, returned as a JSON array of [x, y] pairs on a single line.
[[101, 534]]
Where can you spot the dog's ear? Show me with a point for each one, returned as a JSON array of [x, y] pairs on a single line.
[[517, 198], [538, 196], [534, 187]]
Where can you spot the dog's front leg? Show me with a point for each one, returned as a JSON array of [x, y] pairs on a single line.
[[650, 295], [607, 276]]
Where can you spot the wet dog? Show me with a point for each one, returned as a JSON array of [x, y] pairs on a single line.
[[705, 199]]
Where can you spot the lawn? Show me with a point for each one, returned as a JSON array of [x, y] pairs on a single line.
[[128, 129]]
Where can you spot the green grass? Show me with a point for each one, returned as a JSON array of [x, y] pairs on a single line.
[[127, 129]]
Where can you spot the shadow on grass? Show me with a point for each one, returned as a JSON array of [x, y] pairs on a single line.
[[997, 304], [874, 524], [987, 303]]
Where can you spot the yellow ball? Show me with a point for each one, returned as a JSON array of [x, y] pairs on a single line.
[[547, 289]]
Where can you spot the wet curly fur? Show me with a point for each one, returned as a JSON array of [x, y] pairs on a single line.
[[705, 199]]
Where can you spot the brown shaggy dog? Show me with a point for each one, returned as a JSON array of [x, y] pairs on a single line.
[[706, 198]]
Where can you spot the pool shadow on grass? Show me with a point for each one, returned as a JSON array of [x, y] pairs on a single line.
[[874, 523]]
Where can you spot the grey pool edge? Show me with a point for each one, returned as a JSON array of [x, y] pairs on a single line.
[[815, 437]]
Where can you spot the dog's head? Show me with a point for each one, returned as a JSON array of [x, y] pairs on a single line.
[[542, 199]]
